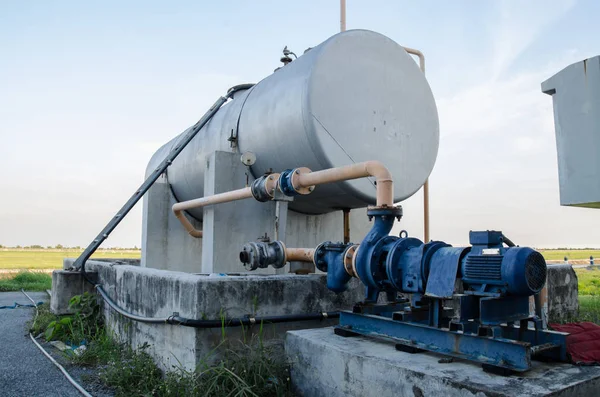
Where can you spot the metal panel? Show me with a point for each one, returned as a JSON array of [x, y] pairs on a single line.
[[442, 272], [502, 310], [575, 94]]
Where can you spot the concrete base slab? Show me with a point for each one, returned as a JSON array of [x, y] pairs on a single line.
[[324, 364]]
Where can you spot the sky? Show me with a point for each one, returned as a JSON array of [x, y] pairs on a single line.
[[89, 90]]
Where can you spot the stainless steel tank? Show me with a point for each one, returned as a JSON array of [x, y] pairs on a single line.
[[357, 96]]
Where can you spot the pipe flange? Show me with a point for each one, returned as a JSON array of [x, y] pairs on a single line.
[[395, 212], [296, 184], [319, 257], [354, 262], [349, 262]]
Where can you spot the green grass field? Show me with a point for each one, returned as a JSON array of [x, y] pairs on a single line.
[[29, 281], [52, 258], [554, 255]]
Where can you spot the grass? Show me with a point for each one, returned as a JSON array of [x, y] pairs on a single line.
[[29, 281], [588, 281], [11, 258], [574, 254], [240, 369], [589, 308]]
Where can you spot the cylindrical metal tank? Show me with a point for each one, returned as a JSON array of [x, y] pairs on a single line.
[[357, 96]]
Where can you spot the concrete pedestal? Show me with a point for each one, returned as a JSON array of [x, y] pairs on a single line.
[[324, 364]]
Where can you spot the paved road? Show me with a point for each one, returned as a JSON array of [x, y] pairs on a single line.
[[24, 370]]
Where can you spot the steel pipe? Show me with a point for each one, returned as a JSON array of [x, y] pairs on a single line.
[[300, 255], [342, 15], [421, 57], [226, 197], [306, 179]]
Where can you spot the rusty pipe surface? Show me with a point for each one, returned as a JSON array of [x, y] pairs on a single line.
[[346, 215], [421, 57], [299, 254], [226, 197], [192, 231], [374, 168]]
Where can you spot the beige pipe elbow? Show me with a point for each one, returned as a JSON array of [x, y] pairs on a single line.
[[374, 168], [419, 55], [187, 224]]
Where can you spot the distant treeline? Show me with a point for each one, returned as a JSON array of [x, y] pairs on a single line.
[[63, 247], [568, 249]]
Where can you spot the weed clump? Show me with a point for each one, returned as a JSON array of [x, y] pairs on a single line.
[[29, 281]]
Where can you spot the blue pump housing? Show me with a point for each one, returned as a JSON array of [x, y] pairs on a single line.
[[387, 263]]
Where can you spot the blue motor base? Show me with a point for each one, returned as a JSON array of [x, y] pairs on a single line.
[[511, 346]]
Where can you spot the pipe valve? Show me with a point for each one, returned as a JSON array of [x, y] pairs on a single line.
[[260, 255]]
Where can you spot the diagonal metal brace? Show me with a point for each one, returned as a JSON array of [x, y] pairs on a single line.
[[145, 186]]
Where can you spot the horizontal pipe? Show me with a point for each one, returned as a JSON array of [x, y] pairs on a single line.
[[226, 197], [225, 322], [374, 168], [299, 255]]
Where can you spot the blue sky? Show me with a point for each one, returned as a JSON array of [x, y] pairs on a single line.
[[88, 91]]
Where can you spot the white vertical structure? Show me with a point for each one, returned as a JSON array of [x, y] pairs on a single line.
[[575, 92]]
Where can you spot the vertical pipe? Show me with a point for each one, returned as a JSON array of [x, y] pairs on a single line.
[[342, 15], [421, 57], [426, 210], [346, 226]]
